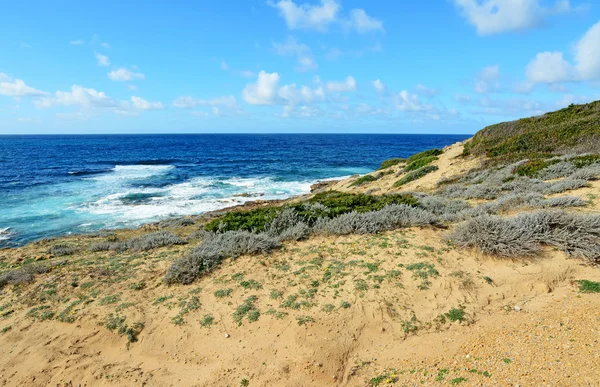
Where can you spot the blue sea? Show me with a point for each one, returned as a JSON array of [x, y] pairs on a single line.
[[57, 185]]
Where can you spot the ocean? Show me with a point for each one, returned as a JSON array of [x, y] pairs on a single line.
[[63, 184]]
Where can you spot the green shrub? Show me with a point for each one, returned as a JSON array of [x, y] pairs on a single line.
[[531, 168], [584, 161], [256, 219], [427, 153], [415, 175], [420, 163], [363, 180], [586, 286], [562, 130], [391, 163]]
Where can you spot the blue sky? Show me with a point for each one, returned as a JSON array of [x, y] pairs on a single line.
[[438, 66]]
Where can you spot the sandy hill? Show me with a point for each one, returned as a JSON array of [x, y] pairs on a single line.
[[460, 266]]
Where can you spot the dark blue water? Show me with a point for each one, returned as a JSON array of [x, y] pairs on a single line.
[[54, 185]]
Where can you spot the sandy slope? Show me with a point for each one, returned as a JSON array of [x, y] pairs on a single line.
[[369, 306]]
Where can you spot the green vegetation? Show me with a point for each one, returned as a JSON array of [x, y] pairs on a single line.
[[222, 293], [391, 163], [586, 286], [246, 309], [584, 161], [415, 175], [420, 163], [337, 203], [561, 130], [456, 314], [424, 154], [362, 180], [531, 168]]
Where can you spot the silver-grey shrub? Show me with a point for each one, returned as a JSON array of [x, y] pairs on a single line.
[[563, 185], [61, 250], [557, 170], [23, 275], [590, 172], [441, 206], [388, 218], [214, 249], [154, 240], [522, 235]]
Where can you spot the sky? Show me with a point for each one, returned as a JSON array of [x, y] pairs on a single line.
[[327, 66]]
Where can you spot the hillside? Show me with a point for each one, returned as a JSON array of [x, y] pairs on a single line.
[[440, 269], [573, 129]]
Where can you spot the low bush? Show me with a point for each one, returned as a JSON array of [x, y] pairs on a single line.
[[420, 163], [585, 160], [363, 180], [586, 286], [388, 218], [427, 153], [522, 235], [567, 184], [415, 175], [61, 250], [154, 240], [591, 172], [214, 249], [557, 170], [177, 222], [391, 163], [531, 168], [23, 275]]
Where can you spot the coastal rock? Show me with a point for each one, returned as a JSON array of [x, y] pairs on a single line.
[[322, 186]]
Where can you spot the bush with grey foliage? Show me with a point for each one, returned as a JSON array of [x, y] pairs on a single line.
[[23, 275]]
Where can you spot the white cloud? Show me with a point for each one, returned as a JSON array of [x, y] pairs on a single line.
[[348, 85], [247, 73], [364, 109], [425, 91], [362, 23], [76, 42], [587, 54], [408, 102], [549, 67], [105, 45], [291, 47], [263, 91], [568, 99], [487, 81], [122, 75], [102, 60], [497, 16], [132, 87], [78, 96], [523, 87], [293, 95], [318, 17], [190, 102], [378, 85], [17, 88], [142, 104], [308, 16]]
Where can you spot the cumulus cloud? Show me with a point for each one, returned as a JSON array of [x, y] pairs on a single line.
[[190, 102], [102, 60], [292, 95], [425, 91], [318, 17], [17, 88], [141, 104], [488, 80], [78, 96], [491, 17], [291, 47], [123, 75], [408, 102], [263, 91], [348, 85], [378, 85], [362, 23], [552, 67]]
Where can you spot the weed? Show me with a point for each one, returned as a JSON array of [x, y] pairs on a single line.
[[586, 286], [207, 320], [303, 320]]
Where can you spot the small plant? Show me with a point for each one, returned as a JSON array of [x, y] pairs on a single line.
[[276, 294], [410, 326], [328, 308], [420, 163], [586, 286], [251, 284], [61, 250], [507, 360], [456, 314], [303, 320], [427, 153], [6, 329], [244, 382], [207, 320], [114, 298], [457, 380], [244, 310], [345, 305], [138, 286], [222, 293]]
